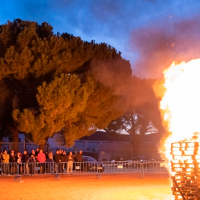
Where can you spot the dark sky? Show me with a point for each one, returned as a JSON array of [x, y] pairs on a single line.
[[149, 33]]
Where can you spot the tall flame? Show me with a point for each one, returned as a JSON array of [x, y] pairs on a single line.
[[180, 104]]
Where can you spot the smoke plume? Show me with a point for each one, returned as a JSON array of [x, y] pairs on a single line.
[[159, 46]]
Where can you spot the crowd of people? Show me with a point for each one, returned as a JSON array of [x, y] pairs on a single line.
[[38, 162]]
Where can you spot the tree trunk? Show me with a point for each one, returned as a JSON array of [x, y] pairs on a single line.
[[42, 147], [15, 136]]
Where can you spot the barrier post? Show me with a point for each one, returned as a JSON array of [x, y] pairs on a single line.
[[98, 175], [57, 176], [141, 170], [17, 177]]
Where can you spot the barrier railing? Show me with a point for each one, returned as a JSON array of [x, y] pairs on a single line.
[[134, 166], [64, 168]]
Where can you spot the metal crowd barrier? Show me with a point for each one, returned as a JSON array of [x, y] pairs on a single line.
[[134, 166], [27, 168], [57, 169]]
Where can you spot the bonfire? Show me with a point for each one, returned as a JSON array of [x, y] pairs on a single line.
[[180, 108]]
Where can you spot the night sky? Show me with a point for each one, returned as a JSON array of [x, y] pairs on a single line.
[[149, 33]]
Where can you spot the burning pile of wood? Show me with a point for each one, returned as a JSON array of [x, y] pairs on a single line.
[[185, 166]]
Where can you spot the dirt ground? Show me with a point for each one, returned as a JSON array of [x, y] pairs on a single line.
[[154, 186]]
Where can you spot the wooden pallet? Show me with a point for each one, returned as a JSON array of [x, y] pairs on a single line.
[[185, 165]]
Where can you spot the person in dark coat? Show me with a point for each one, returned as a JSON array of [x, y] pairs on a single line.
[[79, 160], [25, 160], [79, 157], [13, 157], [13, 162], [47, 155], [58, 160], [37, 151]]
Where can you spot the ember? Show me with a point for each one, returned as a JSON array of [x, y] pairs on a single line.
[[185, 167]]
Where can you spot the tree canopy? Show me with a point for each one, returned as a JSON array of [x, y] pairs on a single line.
[[143, 115], [57, 82]]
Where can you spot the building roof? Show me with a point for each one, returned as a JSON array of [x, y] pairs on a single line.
[[101, 135]]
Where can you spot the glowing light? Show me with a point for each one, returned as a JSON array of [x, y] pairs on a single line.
[[180, 104]]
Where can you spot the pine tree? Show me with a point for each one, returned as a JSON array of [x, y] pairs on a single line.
[[58, 83]]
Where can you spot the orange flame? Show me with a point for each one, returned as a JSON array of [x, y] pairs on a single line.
[[180, 104]]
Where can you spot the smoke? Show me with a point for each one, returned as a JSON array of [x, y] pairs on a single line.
[[115, 74], [159, 46]]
